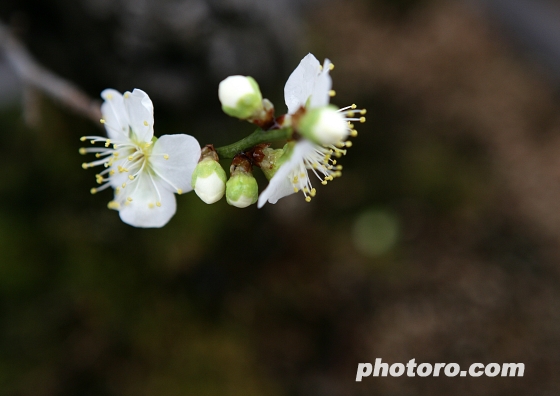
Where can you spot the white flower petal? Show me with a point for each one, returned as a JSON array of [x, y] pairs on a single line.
[[210, 189], [174, 158], [114, 114], [140, 114], [143, 210], [320, 95], [276, 189], [300, 84], [280, 185]]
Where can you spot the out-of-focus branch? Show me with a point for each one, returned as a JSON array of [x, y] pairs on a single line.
[[36, 76]]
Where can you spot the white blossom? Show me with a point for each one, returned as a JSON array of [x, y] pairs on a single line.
[[145, 172], [324, 129]]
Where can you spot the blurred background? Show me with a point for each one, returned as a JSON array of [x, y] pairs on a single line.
[[441, 242]]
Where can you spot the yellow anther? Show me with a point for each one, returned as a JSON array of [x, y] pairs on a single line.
[[332, 93], [116, 154], [102, 121], [296, 179], [363, 111], [179, 191], [97, 155], [93, 190], [296, 189], [82, 151], [166, 156], [362, 119], [350, 114], [147, 144], [118, 190], [339, 167], [158, 204], [83, 139], [331, 66], [120, 168], [130, 177], [109, 96], [151, 205], [115, 147], [313, 192], [84, 165], [111, 172], [324, 182], [320, 67], [305, 190], [302, 175], [127, 95], [334, 162], [348, 143], [308, 199], [92, 141], [353, 133], [130, 157], [123, 185], [353, 106], [146, 123], [113, 205], [129, 199], [108, 143]]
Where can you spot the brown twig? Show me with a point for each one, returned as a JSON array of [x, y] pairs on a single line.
[[36, 76]]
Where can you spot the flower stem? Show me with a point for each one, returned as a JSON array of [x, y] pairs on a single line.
[[257, 137]]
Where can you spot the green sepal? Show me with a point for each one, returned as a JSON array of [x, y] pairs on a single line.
[[205, 168], [241, 184]]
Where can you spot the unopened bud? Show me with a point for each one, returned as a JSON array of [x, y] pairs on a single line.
[[324, 125], [241, 188], [209, 178], [240, 97]]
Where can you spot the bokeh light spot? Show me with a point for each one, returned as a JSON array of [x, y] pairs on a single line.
[[375, 232]]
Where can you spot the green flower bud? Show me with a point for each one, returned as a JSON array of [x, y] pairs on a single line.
[[240, 97], [209, 178], [324, 125], [241, 188]]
